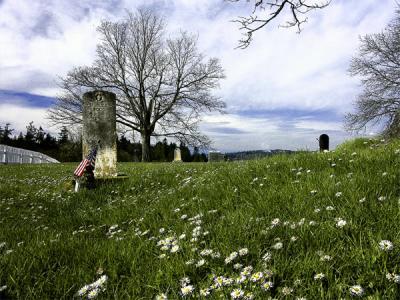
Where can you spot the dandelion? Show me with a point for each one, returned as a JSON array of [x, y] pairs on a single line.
[[319, 276], [356, 290], [243, 251], [278, 246], [237, 294], [187, 290], [386, 245], [267, 285]]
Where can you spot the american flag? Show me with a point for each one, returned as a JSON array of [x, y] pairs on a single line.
[[89, 160]]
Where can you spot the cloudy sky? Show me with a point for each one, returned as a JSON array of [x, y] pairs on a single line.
[[283, 91]]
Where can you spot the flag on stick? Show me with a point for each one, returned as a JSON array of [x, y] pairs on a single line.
[[88, 161]]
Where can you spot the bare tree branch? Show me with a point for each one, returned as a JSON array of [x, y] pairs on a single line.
[[271, 9], [378, 65]]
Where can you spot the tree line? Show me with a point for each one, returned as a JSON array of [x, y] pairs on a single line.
[[67, 148]]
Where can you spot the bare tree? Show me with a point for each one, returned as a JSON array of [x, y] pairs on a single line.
[[271, 9], [378, 64], [163, 85]]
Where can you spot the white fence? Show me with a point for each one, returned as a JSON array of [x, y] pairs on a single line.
[[12, 155]]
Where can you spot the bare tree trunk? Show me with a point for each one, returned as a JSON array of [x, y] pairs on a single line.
[[146, 146]]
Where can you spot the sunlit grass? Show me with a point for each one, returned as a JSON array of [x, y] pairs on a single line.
[[311, 223]]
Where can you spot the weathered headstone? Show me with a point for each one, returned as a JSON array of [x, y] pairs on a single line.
[[99, 129], [177, 155], [323, 142], [215, 156]]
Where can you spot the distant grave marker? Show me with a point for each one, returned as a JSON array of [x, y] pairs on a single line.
[[215, 156], [99, 129], [177, 155], [323, 142]]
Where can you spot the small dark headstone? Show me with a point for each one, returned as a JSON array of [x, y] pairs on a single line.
[[323, 142]]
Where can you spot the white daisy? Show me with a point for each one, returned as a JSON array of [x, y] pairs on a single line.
[[386, 245], [237, 294], [187, 290], [356, 290]]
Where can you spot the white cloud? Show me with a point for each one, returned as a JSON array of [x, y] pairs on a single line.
[[280, 69], [20, 116]]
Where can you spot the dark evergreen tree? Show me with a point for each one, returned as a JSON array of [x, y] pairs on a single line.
[[5, 137], [63, 136], [185, 153]]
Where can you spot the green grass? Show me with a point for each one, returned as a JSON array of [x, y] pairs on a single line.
[[60, 239]]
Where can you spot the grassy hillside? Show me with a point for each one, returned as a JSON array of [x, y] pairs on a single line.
[[309, 225]]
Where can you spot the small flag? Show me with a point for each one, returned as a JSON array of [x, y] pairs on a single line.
[[88, 161]]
